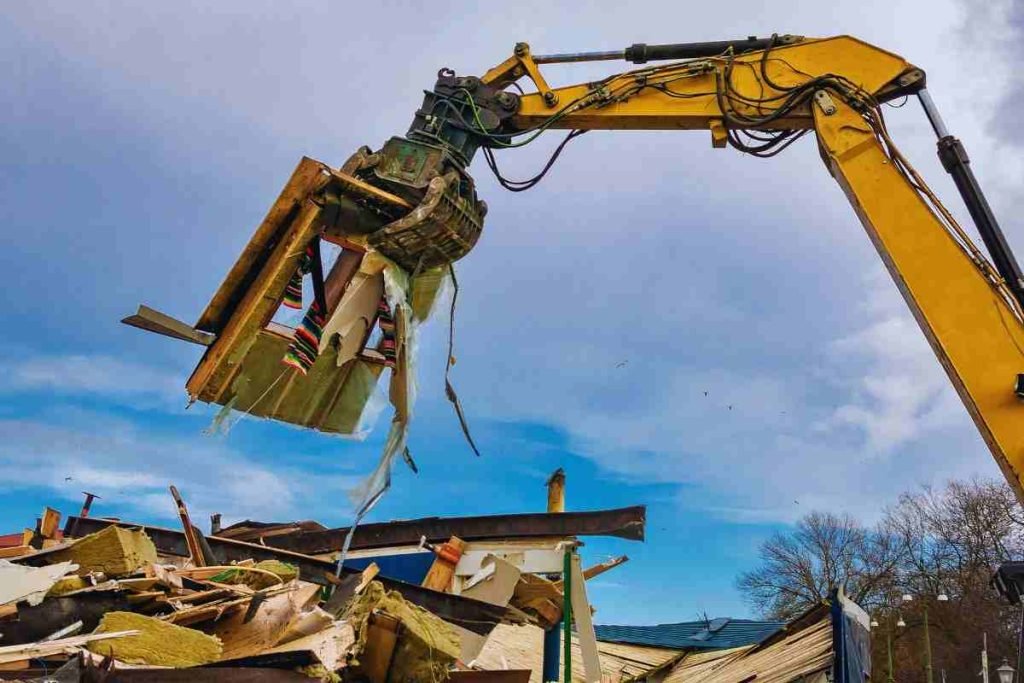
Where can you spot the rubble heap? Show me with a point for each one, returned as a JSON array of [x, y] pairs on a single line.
[[107, 600]]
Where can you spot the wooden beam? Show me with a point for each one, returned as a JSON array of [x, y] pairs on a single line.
[[152, 320], [307, 177], [627, 523]]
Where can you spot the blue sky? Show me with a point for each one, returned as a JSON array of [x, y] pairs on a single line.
[[141, 144]]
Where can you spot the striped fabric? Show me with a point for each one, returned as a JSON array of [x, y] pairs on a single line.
[[386, 322], [305, 346], [293, 292]]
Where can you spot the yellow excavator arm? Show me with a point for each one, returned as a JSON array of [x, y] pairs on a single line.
[[758, 96], [414, 202]]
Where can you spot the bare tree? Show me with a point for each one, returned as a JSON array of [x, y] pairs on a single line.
[[952, 539], [931, 542], [799, 569]]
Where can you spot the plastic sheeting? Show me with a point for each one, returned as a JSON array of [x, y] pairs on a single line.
[[851, 636], [411, 301]]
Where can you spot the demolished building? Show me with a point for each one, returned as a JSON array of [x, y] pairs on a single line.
[[108, 594], [484, 598]]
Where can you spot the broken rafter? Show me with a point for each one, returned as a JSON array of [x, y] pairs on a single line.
[[598, 569], [625, 523]]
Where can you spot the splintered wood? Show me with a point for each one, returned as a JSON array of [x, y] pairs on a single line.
[[267, 626]]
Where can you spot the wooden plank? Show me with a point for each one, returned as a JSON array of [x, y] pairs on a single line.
[[369, 574], [353, 185], [598, 569], [537, 595], [50, 523], [16, 551], [152, 320], [584, 623], [303, 180], [381, 638], [206, 612], [255, 309], [439, 576]]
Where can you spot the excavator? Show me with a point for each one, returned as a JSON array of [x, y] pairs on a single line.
[[411, 209]]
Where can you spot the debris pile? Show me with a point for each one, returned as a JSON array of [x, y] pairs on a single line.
[[415, 600]]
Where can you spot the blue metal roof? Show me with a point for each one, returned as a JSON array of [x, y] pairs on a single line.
[[716, 634]]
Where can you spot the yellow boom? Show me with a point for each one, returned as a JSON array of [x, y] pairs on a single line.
[[968, 308]]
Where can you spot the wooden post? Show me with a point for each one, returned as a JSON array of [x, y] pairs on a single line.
[[556, 503], [556, 491]]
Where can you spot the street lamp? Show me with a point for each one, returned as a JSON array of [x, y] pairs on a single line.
[[1005, 672], [941, 597], [888, 637]]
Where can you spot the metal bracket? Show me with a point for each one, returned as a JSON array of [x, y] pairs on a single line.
[[515, 67], [825, 102], [719, 135]]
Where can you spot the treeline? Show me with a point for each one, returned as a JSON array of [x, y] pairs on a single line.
[[931, 543]]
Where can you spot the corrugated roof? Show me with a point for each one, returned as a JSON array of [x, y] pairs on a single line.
[[798, 655], [717, 634]]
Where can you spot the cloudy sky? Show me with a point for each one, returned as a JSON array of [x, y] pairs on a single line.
[[705, 333]]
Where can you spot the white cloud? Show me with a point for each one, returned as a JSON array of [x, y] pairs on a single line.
[[131, 469], [896, 387], [93, 376]]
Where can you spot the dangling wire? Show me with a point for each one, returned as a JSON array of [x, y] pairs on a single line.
[[449, 390]]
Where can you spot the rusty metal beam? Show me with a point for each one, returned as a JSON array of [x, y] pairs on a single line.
[[474, 615], [625, 523]]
